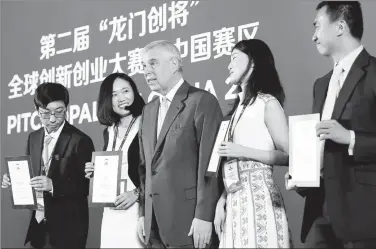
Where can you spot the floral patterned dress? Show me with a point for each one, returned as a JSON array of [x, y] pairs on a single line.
[[255, 215]]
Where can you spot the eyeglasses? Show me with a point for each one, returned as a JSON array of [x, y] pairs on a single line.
[[57, 114]]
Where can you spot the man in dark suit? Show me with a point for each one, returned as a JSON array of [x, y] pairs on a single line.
[[58, 154], [342, 212], [177, 135]]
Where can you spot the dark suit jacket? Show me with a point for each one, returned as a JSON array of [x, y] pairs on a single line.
[[133, 158], [66, 210], [173, 167], [349, 184]]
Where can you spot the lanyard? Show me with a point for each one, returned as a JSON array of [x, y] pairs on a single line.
[[46, 165], [231, 130], [125, 136]]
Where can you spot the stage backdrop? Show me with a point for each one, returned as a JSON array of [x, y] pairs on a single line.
[[78, 43]]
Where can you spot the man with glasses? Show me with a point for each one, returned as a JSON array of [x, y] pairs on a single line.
[[58, 153], [177, 134]]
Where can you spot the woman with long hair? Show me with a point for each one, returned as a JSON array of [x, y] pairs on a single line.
[[250, 212], [119, 108]]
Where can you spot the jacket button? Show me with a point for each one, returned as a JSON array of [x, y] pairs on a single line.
[[151, 195], [154, 172]]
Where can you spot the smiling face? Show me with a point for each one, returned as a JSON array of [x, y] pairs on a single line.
[[237, 67], [122, 97]]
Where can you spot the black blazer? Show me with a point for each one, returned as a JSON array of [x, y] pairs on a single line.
[[349, 184], [133, 157], [66, 210]]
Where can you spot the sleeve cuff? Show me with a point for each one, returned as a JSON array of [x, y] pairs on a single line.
[[352, 143], [52, 190]]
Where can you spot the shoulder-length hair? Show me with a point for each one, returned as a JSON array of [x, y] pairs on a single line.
[[264, 77], [105, 112]]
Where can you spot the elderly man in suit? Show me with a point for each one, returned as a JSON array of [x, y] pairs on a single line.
[[177, 134], [58, 154]]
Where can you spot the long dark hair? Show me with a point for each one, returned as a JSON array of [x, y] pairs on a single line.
[[264, 77], [105, 112]]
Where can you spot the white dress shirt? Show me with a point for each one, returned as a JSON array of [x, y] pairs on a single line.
[[169, 96], [346, 64], [51, 146], [39, 215]]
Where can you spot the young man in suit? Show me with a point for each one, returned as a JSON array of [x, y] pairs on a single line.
[[341, 212], [58, 153], [177, 134]]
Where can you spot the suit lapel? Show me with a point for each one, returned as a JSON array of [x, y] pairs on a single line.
[[60, 148], [36, 151], [355, 74], [176, 106], [150, 121], [320, 94]]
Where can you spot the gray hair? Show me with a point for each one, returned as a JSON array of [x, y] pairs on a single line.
[[170, 47]]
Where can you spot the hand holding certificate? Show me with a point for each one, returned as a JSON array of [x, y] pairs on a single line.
[[105, 185], [304, 150], [214, 162], [20, 173]]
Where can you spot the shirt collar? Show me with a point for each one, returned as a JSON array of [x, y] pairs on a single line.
[[347, 62], [170, 95], [55, 134]]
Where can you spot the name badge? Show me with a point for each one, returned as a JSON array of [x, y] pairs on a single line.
[[40, 200], [231, 176]]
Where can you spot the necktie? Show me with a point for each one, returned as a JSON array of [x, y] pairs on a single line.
[[333, 91], [46, 158], [331, 97], [162, 113], [39, 214]]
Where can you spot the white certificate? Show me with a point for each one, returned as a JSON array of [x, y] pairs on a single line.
[[107, 174], [304, 147], [20, 174], [215, 158]]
